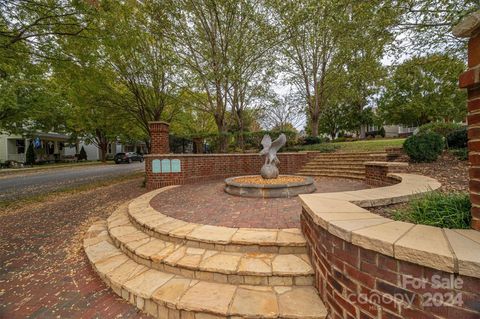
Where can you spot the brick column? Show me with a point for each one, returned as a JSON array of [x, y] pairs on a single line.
[[159, 137], [470, 80]]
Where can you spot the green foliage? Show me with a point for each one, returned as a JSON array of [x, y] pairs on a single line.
[[458, 139], [424, 147], [442, 128], [309, 140], [30, 156], [83, 154], [460, 153], [423, 90], [438, 209]]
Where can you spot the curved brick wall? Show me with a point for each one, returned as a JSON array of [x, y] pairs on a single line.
[[357, 283], [199, 167]]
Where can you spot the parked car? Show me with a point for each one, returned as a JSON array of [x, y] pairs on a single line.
[[128, 157]]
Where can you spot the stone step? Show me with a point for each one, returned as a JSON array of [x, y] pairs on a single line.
[[326, 174], [351, 155], [165, 295], [360, 159], [208, 264], [335, 166], [333, 171], [340, 154], [250, 240]]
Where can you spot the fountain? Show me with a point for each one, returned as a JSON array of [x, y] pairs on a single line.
[[269, 183]]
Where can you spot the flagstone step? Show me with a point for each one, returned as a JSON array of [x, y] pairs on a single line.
[[208, 264], [334, 170], [336, 165], [254, 240], [165, 295], [359, 156], [345, 160], [329, 174]]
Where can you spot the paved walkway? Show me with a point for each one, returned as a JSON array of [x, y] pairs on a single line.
[[207, 203], [44, 272]]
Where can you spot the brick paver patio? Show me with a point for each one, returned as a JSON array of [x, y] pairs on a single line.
[[207, 203], [44, 272]]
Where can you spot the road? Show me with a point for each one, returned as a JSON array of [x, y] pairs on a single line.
[[23, 185]]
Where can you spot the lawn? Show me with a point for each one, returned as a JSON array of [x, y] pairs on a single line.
[[369, 145], [357, 146]]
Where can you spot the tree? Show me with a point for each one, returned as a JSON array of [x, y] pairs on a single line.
[[422, 90], [225, 45], [30, 32], [283, 112], [134, 35], [425, 26], [83, 154], [327, 37], [30, 156]]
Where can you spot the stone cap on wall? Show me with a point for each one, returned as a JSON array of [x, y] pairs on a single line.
[[220, 154], [450, 250], [469, 26], [158, 122]]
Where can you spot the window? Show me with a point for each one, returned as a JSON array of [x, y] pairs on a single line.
[[20, 146]]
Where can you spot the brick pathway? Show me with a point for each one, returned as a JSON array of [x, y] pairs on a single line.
[[44, 272], [207, 203]]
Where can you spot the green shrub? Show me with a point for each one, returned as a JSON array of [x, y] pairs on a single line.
[[438, 209], [457, 138], [30, 156], [424, 147], [460, 153], [309, 140], [440, 128], [83, 155]]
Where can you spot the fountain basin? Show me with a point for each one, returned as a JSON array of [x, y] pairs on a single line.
[[256, 186]]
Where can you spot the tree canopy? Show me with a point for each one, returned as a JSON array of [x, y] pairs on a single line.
[[424, 89], [101, 70]]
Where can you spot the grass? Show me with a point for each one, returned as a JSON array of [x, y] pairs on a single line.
[[376, 145], [438, 209], [369, 145], [35, 199]]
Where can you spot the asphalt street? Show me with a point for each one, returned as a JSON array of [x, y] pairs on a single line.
[[29, 184]]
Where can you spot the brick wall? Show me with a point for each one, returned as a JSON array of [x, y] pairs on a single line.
[[354, 282], [159, 137], [200, 167], [470, 80], [376, 173]]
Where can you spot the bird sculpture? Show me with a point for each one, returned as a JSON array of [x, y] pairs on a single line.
[[269, 169]]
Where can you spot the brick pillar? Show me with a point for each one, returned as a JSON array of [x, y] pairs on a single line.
[[470, 80], [159, 137]]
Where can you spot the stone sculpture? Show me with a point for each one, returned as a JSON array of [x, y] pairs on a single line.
[[269, 169]]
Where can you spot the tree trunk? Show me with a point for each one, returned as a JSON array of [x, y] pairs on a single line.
[[314, 122]]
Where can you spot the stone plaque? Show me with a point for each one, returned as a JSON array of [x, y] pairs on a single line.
[[176, 167], [166, 166], [156, 166]]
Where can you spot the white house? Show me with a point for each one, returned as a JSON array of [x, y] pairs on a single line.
[[51, 146], [56, 147]]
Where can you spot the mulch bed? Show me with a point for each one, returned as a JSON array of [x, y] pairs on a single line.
[[448, 170], [44, 272]]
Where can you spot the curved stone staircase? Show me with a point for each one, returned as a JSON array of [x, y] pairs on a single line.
[[346, 165], [174, 269]]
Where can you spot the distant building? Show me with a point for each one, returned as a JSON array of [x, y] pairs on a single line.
[[398, 130], [54, 147]]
